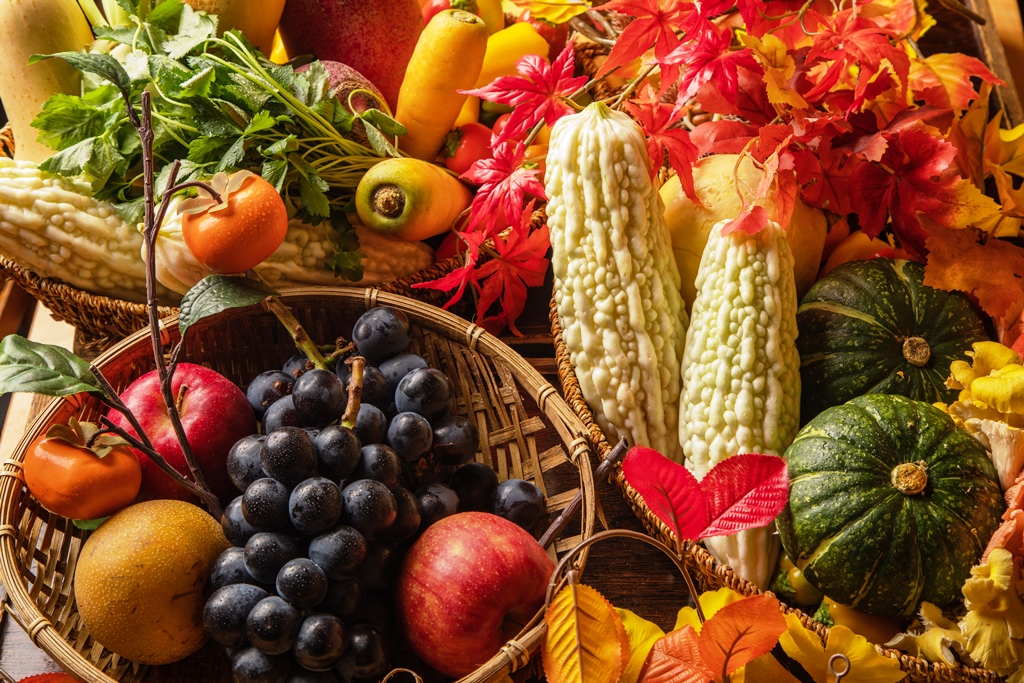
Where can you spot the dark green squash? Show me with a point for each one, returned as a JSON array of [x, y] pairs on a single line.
[[874, 327], [889, 504]]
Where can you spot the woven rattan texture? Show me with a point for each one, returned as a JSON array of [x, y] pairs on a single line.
[[526, 431]]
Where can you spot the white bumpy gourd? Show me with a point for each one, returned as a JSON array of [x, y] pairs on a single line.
[[616, 282], [741, 371]]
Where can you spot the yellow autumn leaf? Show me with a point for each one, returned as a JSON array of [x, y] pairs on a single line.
[[765, 669], [555, 11], [586, 641], [642, 636], [779, 67], [710, 603], [1004, 148], [867, 664], [937, 639]]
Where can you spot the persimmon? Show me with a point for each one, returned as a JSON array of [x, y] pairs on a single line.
[[242, 230], [77, 481]]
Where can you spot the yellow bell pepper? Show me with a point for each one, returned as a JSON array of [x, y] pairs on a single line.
[[508, 46]]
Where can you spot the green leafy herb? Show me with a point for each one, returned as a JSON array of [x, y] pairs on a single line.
[[218, 105], [45, 369]]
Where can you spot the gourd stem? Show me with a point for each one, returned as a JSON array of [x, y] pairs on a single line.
[[910, 478], [917, 351]]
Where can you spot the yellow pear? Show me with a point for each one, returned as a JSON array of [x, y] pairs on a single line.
[[715, 179], [140, 578]]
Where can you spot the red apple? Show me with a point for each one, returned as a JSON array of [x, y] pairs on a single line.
[[467, 586], [214, 413]]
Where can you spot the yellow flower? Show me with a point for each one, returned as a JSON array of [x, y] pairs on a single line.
[[642, 636], [994, 623], [710, 603], [867, 664], [936, 642]]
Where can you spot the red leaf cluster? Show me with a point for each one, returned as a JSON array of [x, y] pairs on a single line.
[[745, 491]]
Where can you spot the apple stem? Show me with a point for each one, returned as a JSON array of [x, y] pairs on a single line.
[[355, 391], [604, 469]]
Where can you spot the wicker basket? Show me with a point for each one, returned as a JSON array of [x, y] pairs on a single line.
[[710, 574], [527, 431]]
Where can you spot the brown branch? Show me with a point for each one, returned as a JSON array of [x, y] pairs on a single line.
[[355, 391]]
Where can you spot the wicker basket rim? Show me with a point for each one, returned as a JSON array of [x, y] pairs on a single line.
[[570, 427], [914, 666]]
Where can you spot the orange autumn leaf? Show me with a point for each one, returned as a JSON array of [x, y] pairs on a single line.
[[944, 80], [967, 135], [990, 271], [676, 659], [740, 633], [1004, 149], [779, 67], [586, 641]]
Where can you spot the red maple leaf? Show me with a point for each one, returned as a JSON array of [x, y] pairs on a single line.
[[521, 262], [750, 103], [504, 184], [655, 26], [907, 181], [824, 175], [657, 120], [722, 137], [852, 41], [536, 93], [710, 58], [462, 277]]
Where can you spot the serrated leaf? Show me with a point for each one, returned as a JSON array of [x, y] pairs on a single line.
[[380, 143], [586, 641], [233, 156], [194, 29], [274, 172], [70, 161], [740, 632], [676, 659], [120, 34], [217, 293], [31, 367], [260, 122], [102, 65], [198, 85], [669, 490], [745, 491], [104, 159], [168, 9], [382, 122]]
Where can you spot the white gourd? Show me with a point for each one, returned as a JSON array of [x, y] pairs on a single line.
[[741, 371], [616, 282]]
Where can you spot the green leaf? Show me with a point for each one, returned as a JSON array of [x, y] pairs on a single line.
[[380, 143], [188, 170], [199, 85], [104, 160], [208, 149], [347, 260], [45, 369], [65, 120], [88, 524], [217, 293], [194, 29], [262, 121], [131, 212], [275, 171], [312, 188], [164, 12], [70, 161], [213, 121], [247, 92], [120, 34], [382, 122], [100, 64], [232, 158], [312, 85], [282, 147]]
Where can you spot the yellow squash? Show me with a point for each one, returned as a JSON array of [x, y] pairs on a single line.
[[714, 179]]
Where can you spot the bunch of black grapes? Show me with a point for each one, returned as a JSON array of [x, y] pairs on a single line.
[[326, 512]]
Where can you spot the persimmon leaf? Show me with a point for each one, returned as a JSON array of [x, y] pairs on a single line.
[[586, 641], [944, 80], [740, 632], [745, 491], [991, 271], [669, 490], [676, 658]]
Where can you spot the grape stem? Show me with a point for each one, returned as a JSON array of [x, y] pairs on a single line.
[[355, 391]]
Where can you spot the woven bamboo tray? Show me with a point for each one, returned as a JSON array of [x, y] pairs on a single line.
[[526, 431], [710, 574]]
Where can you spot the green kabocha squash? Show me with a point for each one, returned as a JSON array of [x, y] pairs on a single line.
[[889, 504], [874, 327]]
